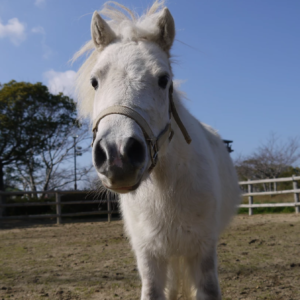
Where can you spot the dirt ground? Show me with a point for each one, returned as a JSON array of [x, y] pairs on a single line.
[[259, 258]]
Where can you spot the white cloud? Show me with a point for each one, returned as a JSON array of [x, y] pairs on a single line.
[[63, 82], [40, 3], [47, 50], [14, 30], [38, 29]]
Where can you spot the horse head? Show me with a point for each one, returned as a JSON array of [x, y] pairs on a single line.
[[132, 80]]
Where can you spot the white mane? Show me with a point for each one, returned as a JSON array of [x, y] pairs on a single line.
[[128, 27]]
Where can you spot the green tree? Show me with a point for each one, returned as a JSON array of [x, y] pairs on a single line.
[[29, 116]]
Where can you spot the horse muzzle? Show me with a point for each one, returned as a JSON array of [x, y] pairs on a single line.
[[121, 163]]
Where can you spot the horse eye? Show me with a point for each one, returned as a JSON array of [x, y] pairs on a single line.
[[163, 81], [94, 83]]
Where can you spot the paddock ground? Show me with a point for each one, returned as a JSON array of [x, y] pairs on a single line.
[[259, 258]]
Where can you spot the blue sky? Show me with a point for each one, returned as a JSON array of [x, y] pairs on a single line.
[[241, 70]]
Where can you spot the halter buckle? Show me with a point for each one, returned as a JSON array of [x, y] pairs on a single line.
[[154, 152]]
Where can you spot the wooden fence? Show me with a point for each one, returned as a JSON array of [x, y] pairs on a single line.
[[57, 203], [109, 211], [251, 194]]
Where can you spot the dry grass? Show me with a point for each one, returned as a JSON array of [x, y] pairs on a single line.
[[258, 259]]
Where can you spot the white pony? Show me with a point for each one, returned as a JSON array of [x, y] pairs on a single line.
[[178, 187]]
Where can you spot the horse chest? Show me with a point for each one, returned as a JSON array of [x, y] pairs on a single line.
[[176, 239], [163, 231]]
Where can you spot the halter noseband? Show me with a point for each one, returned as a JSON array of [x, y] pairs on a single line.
[[154, 143]]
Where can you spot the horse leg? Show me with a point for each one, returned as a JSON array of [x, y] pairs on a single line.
[[204, 275], [153, 275], [173, 282]]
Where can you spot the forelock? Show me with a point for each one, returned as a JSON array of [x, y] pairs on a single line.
[[127, 25]]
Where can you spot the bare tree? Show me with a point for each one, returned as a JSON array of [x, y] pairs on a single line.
[[48, 170], [63, 178], [270, 159]]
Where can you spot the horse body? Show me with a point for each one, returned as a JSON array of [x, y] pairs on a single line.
[[183, 223], [173, 209]]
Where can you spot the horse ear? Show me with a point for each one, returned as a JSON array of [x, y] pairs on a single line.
[[102, 34], [166, 26]]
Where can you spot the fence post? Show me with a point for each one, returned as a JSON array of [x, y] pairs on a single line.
[[58, 209], [296, 196], [109, 209], [275, 186], [250, 198], [1, 208]]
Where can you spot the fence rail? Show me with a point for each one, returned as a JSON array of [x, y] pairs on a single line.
[[58, 203], [251, 194]]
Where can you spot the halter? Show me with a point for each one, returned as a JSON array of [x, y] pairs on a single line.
[[154, 143]]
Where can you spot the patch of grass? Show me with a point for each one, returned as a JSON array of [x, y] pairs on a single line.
[[272, 199], [267, 210]]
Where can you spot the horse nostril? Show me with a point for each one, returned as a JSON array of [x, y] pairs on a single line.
[[134, 150], [99, 156]]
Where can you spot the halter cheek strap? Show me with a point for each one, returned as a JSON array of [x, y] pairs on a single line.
[[154, 143], [172, 109]]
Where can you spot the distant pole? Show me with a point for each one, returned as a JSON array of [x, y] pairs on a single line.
[[75, 183]]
